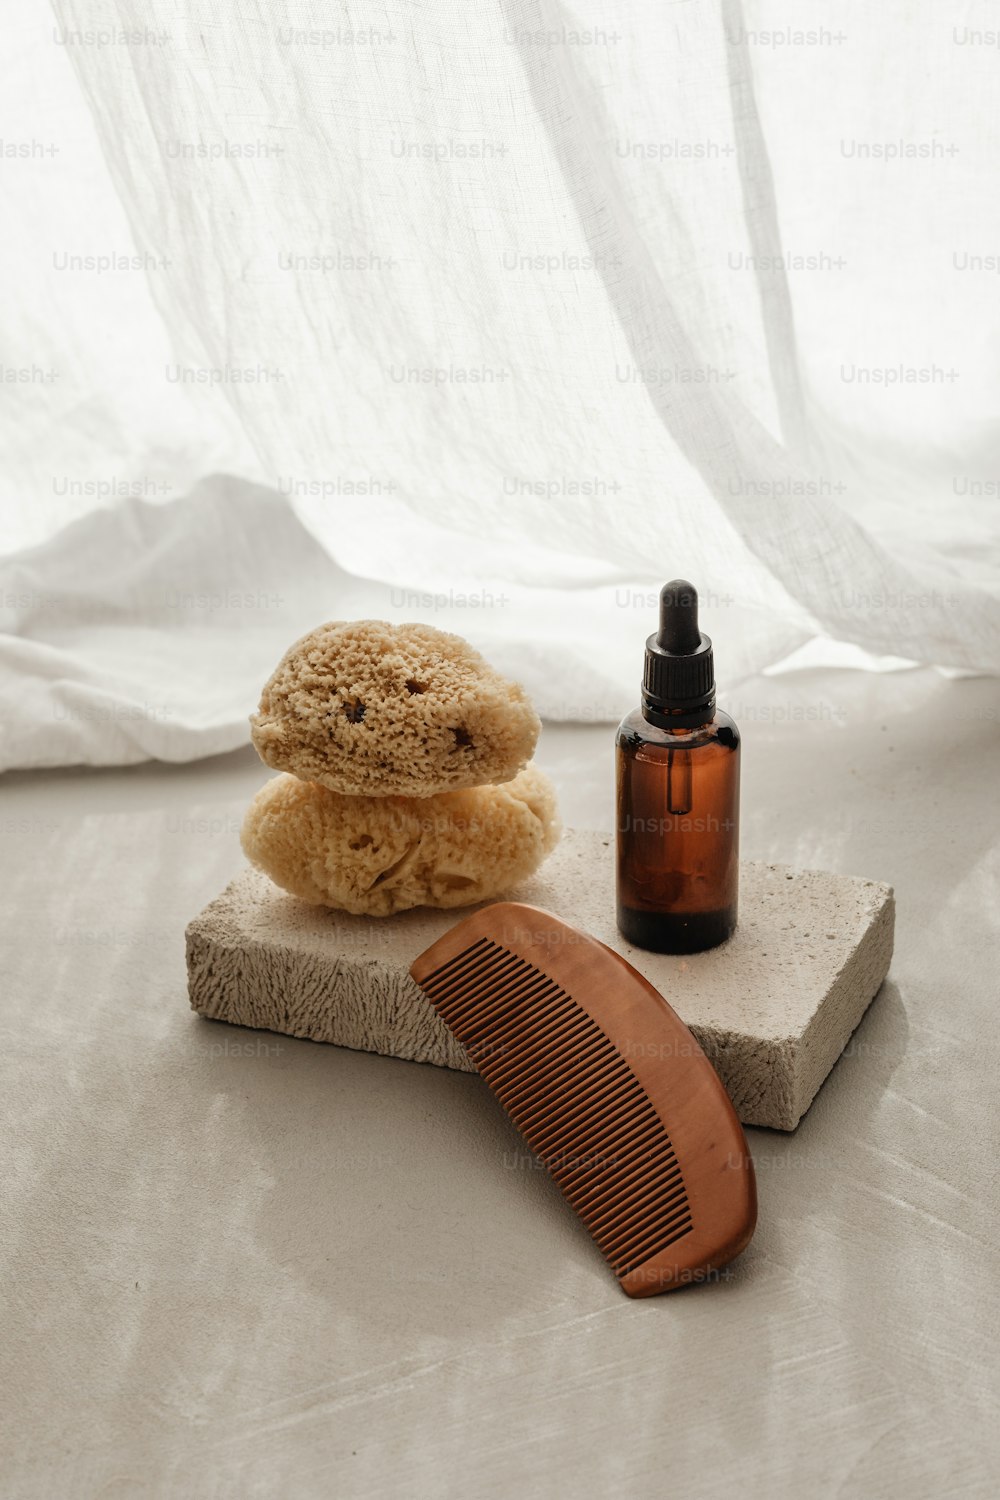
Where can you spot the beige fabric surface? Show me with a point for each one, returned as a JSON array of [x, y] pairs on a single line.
[[240, 1265]]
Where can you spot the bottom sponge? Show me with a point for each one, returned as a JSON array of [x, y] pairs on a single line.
[[377, 855]]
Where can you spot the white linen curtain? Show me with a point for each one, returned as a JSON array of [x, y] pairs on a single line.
[[520, 308]]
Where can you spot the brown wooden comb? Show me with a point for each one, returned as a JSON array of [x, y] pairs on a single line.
[[606, 1084]]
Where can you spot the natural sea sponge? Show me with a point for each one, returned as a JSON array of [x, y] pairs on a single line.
[[377, 855], [372, 709]]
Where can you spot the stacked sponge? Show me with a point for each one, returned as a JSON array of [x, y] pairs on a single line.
[[406, 773]]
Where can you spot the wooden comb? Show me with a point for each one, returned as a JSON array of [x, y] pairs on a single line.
[[608, 1087]]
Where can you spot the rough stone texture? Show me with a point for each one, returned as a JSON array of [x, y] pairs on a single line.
[[773, 1008]]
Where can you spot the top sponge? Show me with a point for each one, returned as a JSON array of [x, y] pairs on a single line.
[[371, 709]]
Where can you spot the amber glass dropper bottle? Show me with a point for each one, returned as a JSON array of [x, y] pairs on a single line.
[[678, 794]]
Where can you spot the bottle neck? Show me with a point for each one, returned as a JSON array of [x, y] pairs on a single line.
[[690, 717]]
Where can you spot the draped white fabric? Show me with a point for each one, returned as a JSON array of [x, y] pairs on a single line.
[[520, 306]]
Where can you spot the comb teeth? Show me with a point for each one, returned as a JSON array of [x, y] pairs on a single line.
[[573, 1097]]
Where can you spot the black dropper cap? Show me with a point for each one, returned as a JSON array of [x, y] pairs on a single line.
[[678, 683]]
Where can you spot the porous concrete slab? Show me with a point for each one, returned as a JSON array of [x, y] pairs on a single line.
[[773, 1008]]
